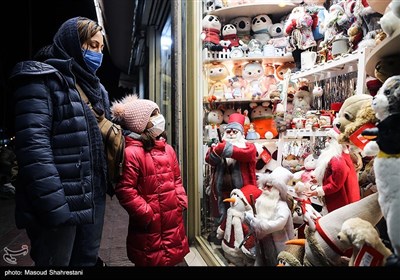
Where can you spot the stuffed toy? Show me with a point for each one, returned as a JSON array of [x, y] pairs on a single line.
[[266, 160], [260, 25], [292, 254], [322, 247], [252, 73], [362, 236], [216, 75], [262, 118], [299, 27], [229, 35], [283, 68], [237, 85], [238, 243], [366, 179], [243, 27], [386, 105], [279, 40], [352, 116], [211, 32], [214, 119], [272, 219], [387, 67], [301, 102], [355, 34], [389, 21], [212, 5]]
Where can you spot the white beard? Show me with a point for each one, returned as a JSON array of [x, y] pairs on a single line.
[[333, 149], [266, 203], [236, 139]]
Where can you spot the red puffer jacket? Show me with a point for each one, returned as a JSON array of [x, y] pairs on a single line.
[[152, 193]]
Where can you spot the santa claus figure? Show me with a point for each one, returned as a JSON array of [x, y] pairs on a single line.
[[234, 162], [238, 242], [335, 174], [272, 223]]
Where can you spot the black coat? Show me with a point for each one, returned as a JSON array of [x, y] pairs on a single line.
[[55, 136]]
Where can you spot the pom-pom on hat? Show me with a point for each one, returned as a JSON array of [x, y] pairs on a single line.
[[133, 113], [236, 121], [333, 133]]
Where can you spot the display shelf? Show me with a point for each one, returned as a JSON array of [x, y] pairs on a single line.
[[239, 101], [346, 63], [302, 132], [389, 46], [275, 8], [239, 60], [379, 5]]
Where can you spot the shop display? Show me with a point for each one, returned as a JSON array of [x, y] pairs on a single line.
[[293, 72]]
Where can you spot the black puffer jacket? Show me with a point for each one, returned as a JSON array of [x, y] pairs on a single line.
[[54, 133]]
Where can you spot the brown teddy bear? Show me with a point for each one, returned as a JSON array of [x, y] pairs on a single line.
[[387, 67]]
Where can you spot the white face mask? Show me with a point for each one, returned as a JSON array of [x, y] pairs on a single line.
[[158, 127]]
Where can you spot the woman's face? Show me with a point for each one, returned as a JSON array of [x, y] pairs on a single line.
[[95, 44]]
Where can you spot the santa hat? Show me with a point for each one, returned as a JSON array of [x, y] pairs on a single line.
[[322, 246], [333, 133], [278, 178], [236, 121], [373, 85], [133, 113], [245, 192]]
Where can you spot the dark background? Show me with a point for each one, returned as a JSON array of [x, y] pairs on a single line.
[[28, 25]]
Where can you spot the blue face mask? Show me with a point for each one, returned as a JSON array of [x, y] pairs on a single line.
[[93, 59]]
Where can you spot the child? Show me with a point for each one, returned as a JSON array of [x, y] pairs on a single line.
[[150, 189]]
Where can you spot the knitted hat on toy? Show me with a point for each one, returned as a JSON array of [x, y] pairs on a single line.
[[236, 121], [133, 113]]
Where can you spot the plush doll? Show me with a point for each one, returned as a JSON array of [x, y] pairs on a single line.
[[283, 68], [389, 21], [279, 40], [352, 116], [363, 237], [237, 86], [272, 221], [214, 119], [386, 105], [262, 118], [260, 27], [211, 32], [238, 243], [216, 74], [322, 247], [212, 5], [355, 34], [299, 27], [266, 160], [302, 102], [229, 33], [243, 27], [252, 73]]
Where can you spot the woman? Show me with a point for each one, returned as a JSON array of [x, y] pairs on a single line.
[[61, 184], [150, 189]]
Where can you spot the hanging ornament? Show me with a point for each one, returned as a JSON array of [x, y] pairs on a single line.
[[317, 93]]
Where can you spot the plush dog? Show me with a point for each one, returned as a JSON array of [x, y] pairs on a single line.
[[360, 234], [386, 105]]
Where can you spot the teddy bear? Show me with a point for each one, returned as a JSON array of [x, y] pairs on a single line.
[[355, 113], [283, 68], [229, 36], [387, 67], [386, 105], [361, 235], [211, 31]]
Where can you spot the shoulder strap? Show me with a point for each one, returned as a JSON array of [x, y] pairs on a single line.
[[86, 100], [83, 95]]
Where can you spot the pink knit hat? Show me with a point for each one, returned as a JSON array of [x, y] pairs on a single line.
[[133, 113]]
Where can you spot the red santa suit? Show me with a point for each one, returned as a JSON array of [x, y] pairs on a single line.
[[336, 173], [233, 157]]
